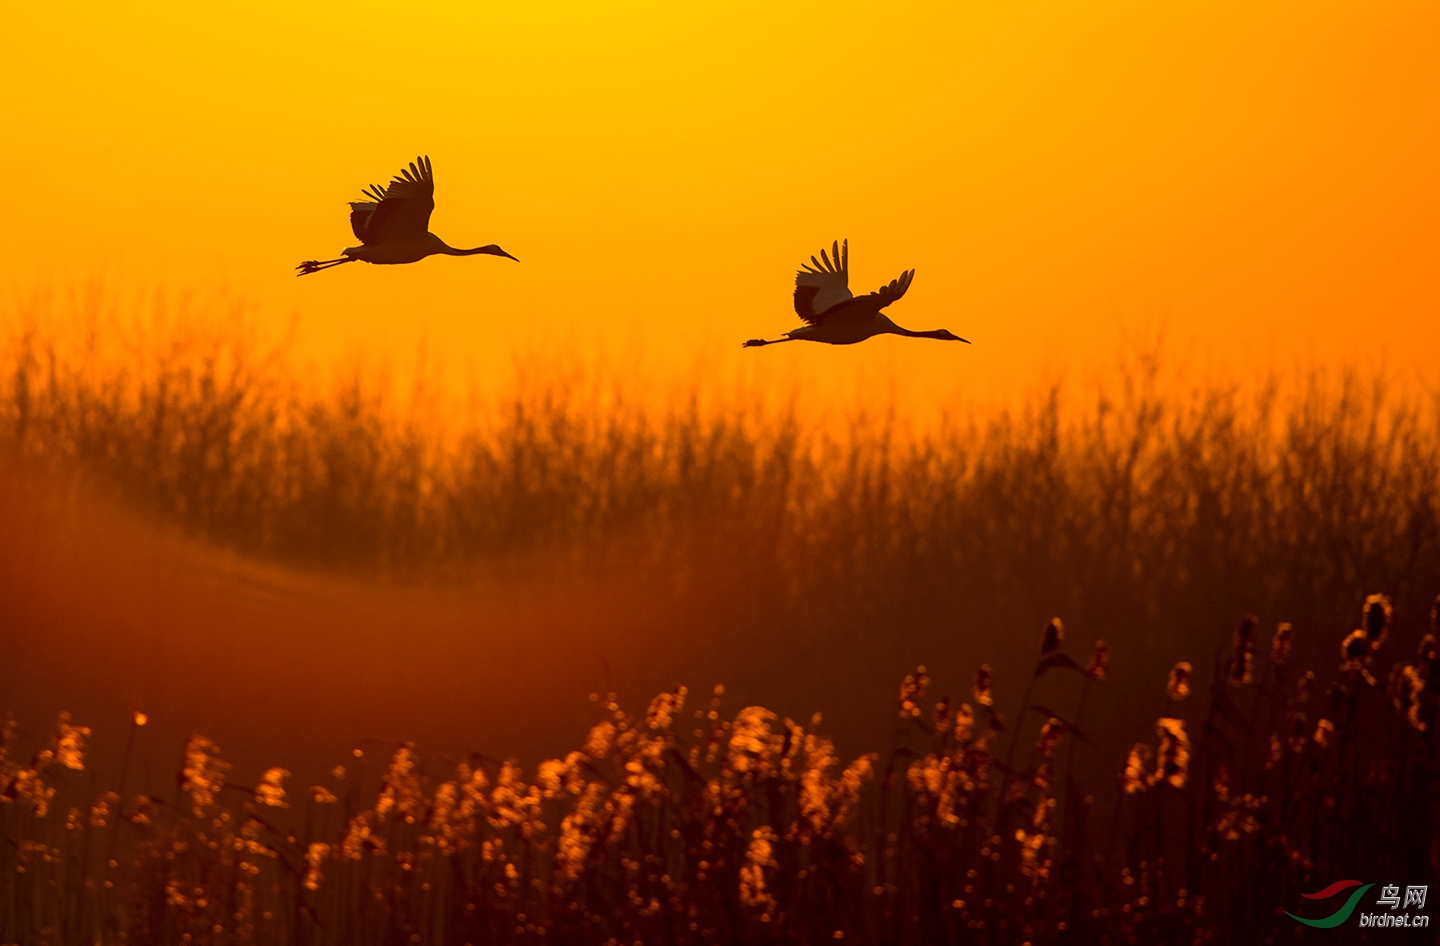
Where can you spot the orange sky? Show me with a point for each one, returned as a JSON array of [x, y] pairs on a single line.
[[1261, 180]]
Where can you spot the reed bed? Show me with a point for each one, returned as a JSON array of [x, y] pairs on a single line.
[[1146, 502], [1147, 511], [711, 823]]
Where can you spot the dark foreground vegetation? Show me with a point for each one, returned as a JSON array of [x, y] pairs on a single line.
[[705, 824]]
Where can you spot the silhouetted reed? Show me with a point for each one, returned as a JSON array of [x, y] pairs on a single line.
[[1161, 510], [1149, 517], [716, 825]]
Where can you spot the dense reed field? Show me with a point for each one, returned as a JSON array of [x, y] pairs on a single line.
[[718, 824], [1145, 501], [802, 557]]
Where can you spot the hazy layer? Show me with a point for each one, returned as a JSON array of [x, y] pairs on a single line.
[[357, 566]]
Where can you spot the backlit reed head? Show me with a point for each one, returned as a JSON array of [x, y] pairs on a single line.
[[1135, 777], [1173, 757], [1099, 660], [912, 688], [1378, 613], [1303, 685], [753, 742], [1242, 663], [984, 685], [101, 809], [1178, 686], [964, 722], [1297, 728], [203, 774], [1280, 644], [271, 790], [665, 707], [941, 715], [315, 857], [1355, 651], [1411, 687], [69, 747], [1050, 735]]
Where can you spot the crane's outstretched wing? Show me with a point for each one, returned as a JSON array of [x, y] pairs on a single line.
[[362, 210], [888, 294], [822, 284], [401, 210]]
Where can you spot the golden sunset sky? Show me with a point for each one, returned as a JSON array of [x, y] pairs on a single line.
[[1259, 181]]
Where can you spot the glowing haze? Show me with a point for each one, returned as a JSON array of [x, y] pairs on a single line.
[[1258, 179]]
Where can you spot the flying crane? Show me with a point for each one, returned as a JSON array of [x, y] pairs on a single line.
[[393, 225], [833, 316]]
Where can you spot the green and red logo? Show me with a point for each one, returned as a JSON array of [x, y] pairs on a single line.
[[1340, 915]]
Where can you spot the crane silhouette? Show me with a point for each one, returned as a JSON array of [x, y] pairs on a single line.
[[833, 316], [393, 225]]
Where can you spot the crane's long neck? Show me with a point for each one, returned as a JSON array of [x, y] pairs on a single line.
[[488, 250], [939, 333]]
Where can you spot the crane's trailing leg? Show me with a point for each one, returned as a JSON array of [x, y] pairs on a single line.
[[757, 342], [314, 266]]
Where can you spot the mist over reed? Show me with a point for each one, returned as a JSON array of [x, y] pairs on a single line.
[[1144, 502]]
